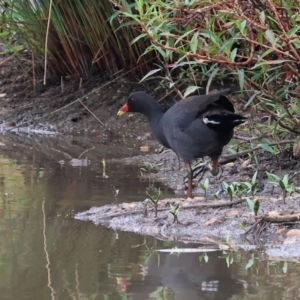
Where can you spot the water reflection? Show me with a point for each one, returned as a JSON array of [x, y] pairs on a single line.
[[46, 254], [184, 276]]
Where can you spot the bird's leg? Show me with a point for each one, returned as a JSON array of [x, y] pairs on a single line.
[[190, 179], [215, 167]]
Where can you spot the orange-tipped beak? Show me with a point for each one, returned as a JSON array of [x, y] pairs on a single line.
[[123, 110]]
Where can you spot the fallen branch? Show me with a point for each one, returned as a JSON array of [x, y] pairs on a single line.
[[91, 113], [263, 221], [142, 211]]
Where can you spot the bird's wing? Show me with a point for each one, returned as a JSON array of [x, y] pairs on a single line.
[[187, 110]]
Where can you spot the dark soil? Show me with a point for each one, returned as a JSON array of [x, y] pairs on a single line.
[[52, 110]]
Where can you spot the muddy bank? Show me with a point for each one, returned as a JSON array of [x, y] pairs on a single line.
[[214, 223]]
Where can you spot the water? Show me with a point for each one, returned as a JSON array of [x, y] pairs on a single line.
[[46, 254]]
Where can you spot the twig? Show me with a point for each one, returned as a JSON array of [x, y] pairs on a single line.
[[91, 113], [46, 41], [85, 151], [263, 221], [200, 205], [170, 78], [7, 59], [253, 226], [245, 138]]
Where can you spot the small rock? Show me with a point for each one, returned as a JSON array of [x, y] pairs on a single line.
[[233, 213], [145, 148], [293, 232], [213, 221]]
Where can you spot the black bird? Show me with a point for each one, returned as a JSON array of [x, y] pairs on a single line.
[[194, 127]]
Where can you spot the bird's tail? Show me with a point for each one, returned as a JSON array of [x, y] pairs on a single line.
[[223, 122]]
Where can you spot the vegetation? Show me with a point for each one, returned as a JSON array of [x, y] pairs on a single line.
[[74, 36], [255, 42]]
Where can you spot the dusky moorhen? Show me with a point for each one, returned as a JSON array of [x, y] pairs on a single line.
[[194, 127]]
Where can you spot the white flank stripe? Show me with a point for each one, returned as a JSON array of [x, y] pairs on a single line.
[[206, 121]]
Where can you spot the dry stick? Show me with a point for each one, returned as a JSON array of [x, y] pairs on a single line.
[[46, 41], [248, 139], [253, 226], [91, 113], [280, 219], [168, 93], [170, 77], [85, 151], [80, 83], [265, 220], [5, 60], [200, 205]]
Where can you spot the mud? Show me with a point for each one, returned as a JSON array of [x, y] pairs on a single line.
[[58, 123]]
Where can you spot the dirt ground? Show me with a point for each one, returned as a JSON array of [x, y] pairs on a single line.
[[66, 111]]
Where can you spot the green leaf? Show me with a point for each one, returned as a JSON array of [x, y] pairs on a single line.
[[150, 73], [233, 54], [270, 36], [262, 17], [190, 90], [285, 267], [183, 36], [250, 263], [241, 75], [295, 108], [206, 257], [194, 43], [266, 147], [273, 178], [251, 99], [286, 179], [296, 43], [250, 204], [138, 38], [253, 180], [293, 31], [281, 184], [243, 25], [206, 183]]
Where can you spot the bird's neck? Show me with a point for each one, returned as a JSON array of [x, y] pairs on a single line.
[[154, 114]]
